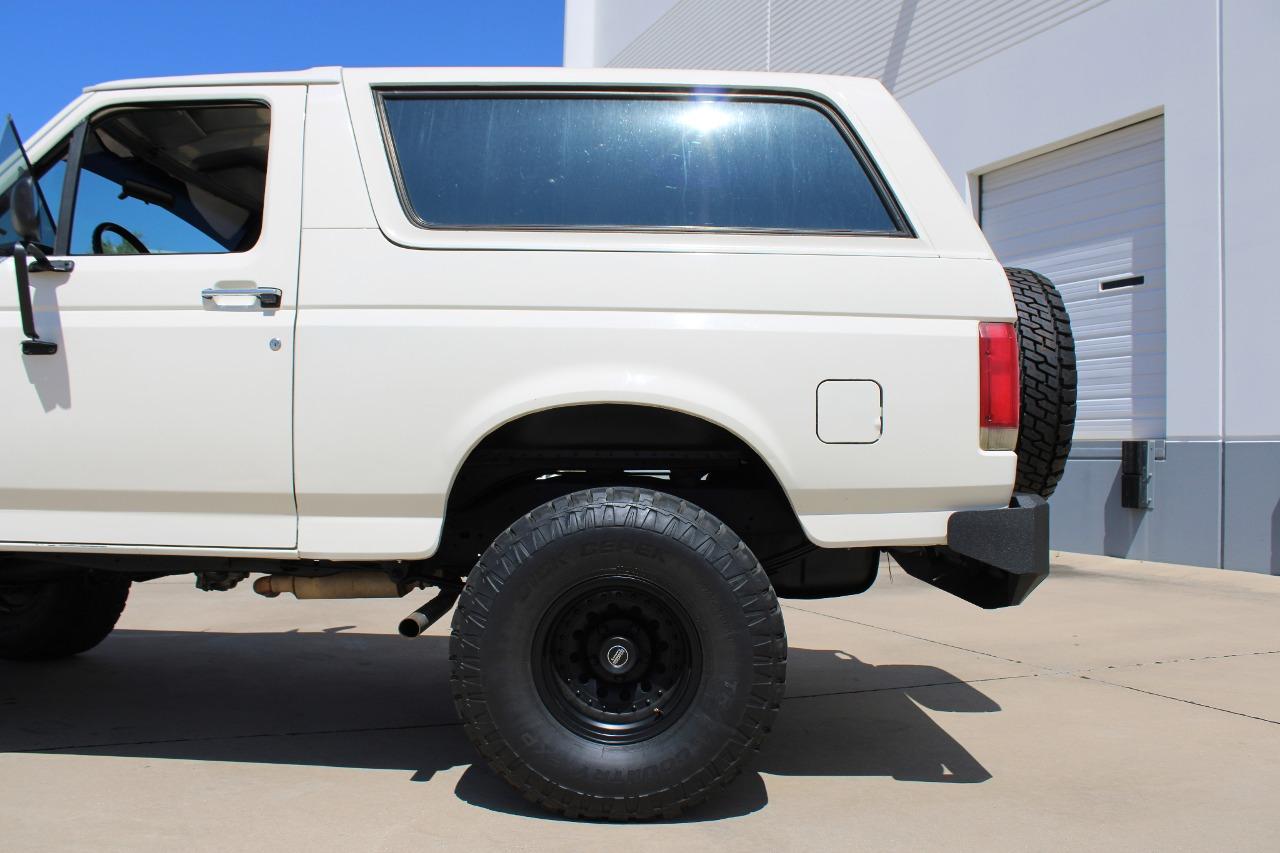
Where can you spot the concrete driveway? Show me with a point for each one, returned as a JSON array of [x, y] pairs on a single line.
[[1126, 706]]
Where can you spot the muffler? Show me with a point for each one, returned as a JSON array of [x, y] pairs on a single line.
[[341, 585]]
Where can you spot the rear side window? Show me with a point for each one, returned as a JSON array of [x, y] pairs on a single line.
[[614, 162]]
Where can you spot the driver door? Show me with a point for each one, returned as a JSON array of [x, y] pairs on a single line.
[[165, 416]]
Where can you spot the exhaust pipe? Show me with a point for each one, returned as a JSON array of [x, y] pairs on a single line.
[[428, 614], [341, 585]]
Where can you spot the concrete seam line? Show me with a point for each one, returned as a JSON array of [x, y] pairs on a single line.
[[917, 637], [1124, 667], [210, 738], [1183, 701], [912, 686], [1051, 670]]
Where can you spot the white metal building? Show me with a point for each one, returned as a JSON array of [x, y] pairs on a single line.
[[1125, 148]]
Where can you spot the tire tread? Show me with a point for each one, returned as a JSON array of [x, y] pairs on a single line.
[[1047, 362]]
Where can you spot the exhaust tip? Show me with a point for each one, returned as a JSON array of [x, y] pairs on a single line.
[[425, 616], [413, 625]]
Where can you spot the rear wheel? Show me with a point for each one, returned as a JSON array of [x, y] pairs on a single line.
[[1047, 362], [618, 653], [59, 618]]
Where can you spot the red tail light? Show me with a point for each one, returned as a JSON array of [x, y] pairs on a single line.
[[997, 386]]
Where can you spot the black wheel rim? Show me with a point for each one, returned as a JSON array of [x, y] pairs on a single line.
[[617, 660]]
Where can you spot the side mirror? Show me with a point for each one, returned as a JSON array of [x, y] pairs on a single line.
[[24, 216], [24, 209]]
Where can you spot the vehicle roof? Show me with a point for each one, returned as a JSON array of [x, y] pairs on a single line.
[[326, 74], [334, 74]]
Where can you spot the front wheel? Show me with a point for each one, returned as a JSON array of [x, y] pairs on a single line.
[[61, 617], [618, 653]]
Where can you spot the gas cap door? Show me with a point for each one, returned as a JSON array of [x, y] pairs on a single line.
[[850, 411]]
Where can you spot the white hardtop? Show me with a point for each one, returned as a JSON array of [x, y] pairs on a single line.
[[327, 74], [478, 75]]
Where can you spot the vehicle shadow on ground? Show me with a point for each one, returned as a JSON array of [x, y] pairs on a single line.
[[381, 702]]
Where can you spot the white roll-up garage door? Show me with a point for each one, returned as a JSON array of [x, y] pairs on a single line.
[[1090, 216]]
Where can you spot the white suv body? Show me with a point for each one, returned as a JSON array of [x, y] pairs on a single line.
[[171, 426], [611, 358]]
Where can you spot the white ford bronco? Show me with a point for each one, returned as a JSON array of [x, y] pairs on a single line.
[[612, 359]]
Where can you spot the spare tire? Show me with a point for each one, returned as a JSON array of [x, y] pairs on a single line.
[[1047, 360]]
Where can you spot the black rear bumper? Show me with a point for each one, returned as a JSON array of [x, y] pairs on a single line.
[[993, 557]]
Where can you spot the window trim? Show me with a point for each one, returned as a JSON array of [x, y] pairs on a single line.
[[883, 191], [70, 185]]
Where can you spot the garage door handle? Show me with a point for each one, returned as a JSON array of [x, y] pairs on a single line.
[[1122, 281], [268, 297]]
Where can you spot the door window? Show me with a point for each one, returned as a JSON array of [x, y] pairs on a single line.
[[176, 179]]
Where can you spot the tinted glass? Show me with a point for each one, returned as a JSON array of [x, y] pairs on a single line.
[[182, 179], [598, 162]]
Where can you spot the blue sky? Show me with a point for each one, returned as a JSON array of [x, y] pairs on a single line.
[[53, 56]]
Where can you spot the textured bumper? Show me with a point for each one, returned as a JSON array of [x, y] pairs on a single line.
[[993, 558]]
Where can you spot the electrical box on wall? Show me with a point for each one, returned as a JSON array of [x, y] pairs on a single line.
[[1135, 474]]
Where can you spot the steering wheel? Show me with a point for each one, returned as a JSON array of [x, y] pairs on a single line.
[[121, 232]]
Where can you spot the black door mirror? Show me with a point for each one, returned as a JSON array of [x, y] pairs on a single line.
[[24, 209]]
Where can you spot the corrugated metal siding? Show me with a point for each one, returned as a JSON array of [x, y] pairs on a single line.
[[908, 44], [728, 34], [1081, 215]]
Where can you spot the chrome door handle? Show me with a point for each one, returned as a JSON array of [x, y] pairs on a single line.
[[268, 297]]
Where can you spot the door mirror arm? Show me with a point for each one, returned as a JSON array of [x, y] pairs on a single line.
[[40, 261], [22, 270]]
